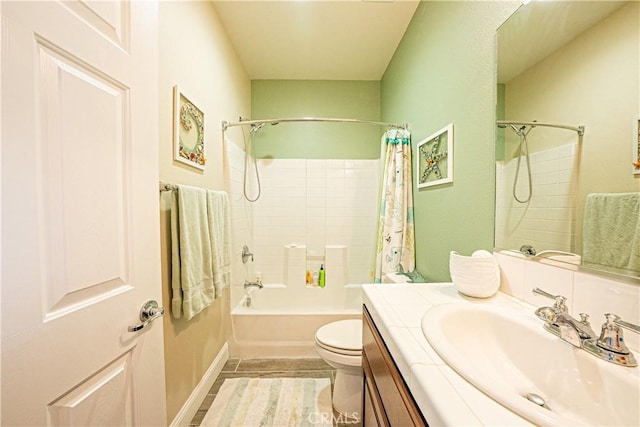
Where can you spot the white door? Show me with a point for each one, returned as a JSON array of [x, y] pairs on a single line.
[[80, 227]]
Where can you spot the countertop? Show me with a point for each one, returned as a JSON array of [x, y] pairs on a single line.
[[444, 397]]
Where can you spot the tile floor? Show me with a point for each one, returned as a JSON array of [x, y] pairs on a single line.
[[267, 368]]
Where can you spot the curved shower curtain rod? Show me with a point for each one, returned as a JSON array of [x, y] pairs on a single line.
[[504, 123], [226, 124]]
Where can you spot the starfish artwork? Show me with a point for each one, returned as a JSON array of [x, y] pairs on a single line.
[[431, 159], [435, 158]]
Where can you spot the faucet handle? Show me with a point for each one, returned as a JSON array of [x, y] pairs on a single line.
[[584, 319], [629, 326], [559, 306], [612, 337], [246, 254]]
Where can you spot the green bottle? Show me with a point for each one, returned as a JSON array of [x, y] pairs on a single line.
[[321, 276]]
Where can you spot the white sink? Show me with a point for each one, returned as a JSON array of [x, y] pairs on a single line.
[[507, 355]]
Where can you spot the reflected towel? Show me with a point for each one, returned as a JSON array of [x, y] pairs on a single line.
[[611, 230], [219, 217], [191, 256]]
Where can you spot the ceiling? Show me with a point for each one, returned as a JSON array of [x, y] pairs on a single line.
[[537, 29], [315, 39]]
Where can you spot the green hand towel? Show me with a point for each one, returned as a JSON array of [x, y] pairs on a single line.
[[191, 257], [611, 230], [219, 216]]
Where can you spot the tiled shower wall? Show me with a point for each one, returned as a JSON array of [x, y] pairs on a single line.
[[303, 202], [548, 219], [240, 218]]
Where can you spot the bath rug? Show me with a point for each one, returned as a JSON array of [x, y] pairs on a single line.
[[277, 402]]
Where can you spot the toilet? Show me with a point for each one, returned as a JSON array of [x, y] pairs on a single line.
[[340, 345]]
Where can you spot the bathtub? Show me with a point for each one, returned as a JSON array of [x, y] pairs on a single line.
[[282, 321]]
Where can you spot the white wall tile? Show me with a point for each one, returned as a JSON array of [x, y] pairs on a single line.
[[597, 296], [553, 182], [312, 202], [585, 293], [554, 280], [511, 274]]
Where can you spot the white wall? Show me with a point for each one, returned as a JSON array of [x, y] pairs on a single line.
[[195, 54]]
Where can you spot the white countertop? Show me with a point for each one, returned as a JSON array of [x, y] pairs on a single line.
[[443, 396]]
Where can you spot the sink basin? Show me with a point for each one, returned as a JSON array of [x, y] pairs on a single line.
[[511, 358]]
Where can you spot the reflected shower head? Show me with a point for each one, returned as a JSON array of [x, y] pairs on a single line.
[[256, 128], [519, 131]]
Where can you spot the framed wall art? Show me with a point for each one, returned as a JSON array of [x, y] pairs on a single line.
[[435, 158], [636, 146], [188, 137]]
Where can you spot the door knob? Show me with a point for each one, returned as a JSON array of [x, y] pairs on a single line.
[[148, 313]]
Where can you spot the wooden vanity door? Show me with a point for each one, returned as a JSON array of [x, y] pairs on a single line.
[[386, 396]]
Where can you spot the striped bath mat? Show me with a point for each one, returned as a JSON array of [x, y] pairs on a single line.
[[271, 402]]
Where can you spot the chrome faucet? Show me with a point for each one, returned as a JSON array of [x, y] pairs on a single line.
[[609, 346], [248, 284], [575, 331], [559, 322], [527, 250]]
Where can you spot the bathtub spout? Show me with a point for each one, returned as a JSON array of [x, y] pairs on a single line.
[[248, 285]]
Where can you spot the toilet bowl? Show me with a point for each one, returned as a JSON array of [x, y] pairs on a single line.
[[340, 345]]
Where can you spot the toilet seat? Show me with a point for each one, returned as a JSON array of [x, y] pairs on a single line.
[[342, 337]]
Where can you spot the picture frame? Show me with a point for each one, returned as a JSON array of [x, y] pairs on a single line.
[[636, 146], [188, 131], [434, 160]]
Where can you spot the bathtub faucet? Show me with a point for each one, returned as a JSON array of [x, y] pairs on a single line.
[[248, 284]]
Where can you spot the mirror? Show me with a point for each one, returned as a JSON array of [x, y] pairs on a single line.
[[568, 63]]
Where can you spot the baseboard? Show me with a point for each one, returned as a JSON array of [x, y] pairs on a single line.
[[190, 407]]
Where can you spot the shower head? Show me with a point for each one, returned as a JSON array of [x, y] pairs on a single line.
[[517, 130], [256, 128]]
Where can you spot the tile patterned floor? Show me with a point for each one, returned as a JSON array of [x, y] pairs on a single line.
[[266, 368]]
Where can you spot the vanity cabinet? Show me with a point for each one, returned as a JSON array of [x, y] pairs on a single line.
[[386, 398]]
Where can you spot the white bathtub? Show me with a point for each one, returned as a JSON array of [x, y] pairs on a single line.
[[282, 321]]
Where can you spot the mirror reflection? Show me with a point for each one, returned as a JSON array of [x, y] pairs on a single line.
[[561, 194]]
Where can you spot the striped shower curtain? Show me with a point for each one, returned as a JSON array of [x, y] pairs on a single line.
[[396, 249]]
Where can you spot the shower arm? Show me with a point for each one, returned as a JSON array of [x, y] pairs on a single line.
[[226, 125], [578, 129]]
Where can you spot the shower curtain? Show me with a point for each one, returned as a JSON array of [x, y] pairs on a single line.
[[396, 249]]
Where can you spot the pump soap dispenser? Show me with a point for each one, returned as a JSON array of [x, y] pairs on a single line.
[[321, 276]]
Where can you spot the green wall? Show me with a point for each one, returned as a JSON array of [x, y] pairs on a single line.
[[312, 98], [444, 71]]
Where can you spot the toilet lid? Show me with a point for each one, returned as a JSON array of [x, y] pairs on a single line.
[[343, 334]]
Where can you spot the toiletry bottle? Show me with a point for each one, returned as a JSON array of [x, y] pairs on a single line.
[[321, 276], [315, 278], [308, 277]]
